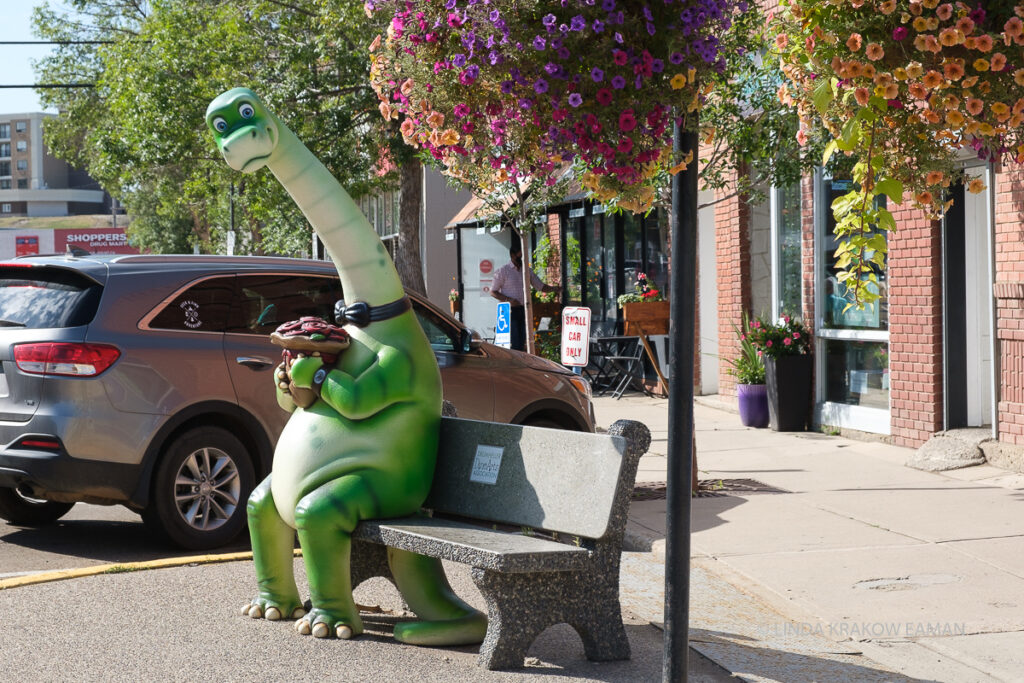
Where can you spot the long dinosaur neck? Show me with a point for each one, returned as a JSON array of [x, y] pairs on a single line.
[[366, 270]]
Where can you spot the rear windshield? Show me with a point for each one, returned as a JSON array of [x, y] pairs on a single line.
[[46, 298]]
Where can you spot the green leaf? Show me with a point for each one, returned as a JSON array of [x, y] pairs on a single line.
[[830, 149], [891, 188], [823, 94], [850, 135]]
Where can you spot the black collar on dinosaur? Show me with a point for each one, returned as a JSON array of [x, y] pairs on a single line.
[[362, 314]]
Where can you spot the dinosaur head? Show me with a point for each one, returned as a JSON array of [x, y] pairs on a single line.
[[245, 131]]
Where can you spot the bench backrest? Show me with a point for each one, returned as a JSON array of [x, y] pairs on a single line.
[[527, 476]]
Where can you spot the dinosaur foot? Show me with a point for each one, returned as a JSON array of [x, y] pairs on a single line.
[[466, 630], [320, 623], [272, 610]]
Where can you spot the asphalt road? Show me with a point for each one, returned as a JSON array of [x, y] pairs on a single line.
[[88, 535]]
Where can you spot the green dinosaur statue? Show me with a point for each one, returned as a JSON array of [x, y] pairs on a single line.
[[366, 448]]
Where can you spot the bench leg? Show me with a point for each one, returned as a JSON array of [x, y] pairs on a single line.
[[521, 606]]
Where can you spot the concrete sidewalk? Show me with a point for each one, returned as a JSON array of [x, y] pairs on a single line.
[[821, 558]]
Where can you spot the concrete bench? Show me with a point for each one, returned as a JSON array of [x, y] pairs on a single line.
[[565, 496]]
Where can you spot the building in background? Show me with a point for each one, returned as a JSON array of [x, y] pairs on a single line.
[[34, 183]]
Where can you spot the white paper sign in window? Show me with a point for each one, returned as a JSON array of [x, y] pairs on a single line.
[[486, 464]]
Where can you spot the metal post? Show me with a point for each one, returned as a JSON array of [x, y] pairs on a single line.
[[680, 408]]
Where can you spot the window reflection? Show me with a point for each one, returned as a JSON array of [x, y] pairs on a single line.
[[857, 373]]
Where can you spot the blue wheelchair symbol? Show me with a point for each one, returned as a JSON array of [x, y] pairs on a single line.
[[503, 325]]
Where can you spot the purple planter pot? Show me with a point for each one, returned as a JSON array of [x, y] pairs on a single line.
[[753, 400]]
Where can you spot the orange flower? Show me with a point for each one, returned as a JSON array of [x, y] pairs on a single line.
[[998, 62], [407, 86], [976, 185], [931, 116], [853, 42], [980, 65], [923, 197], [1018, 106], [920, 24], [917, 91], [1015, 121], [407, 128], [781, 41], [953, 71], [914, 70], [1000, 110], [986, 129], [868, 71], [890, 91], [435, 119], [900, 74], [969, 82], [954, 119], [933, 178], [983, 42], [854, 69], [950, 37], [387, 111], [874, 52], [975, 106], [887, 7], [930, 4], [951, 102], [933, 79], [966, 25], [1014, 27], [944, 12], [862, 95]]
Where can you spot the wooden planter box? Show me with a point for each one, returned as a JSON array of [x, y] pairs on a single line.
[[651, 316]]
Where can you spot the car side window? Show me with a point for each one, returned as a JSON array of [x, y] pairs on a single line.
[[438, 333], [267, 301], [203, 307]]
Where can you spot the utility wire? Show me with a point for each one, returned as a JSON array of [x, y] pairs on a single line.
[[44, 86]]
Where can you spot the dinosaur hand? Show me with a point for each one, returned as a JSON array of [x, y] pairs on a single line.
[[303, 369]]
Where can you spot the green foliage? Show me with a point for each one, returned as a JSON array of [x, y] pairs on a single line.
[[748, 367], [140, 130]]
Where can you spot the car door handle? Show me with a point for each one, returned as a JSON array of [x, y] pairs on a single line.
[[254, 362]]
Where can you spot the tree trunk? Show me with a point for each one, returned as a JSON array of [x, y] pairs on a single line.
[[407, 255], [527, 269]]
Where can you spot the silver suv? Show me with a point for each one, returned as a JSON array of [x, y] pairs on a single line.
[[145, 381]]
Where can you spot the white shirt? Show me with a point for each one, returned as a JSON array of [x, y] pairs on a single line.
[[508, 280]]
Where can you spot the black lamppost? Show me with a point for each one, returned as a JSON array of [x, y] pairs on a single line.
[[682, 312]]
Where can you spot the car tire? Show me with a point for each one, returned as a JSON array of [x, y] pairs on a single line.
[[200, 489], [22, 510]]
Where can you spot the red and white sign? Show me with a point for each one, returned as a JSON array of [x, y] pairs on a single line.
[[93, 240], [486, 266], [26, 245], [576, 336]]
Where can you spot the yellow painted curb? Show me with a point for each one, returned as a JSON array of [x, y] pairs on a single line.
[[123, 567]]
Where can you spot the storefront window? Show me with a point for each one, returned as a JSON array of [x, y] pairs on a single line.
[[656, 263], [789, 257], [857, 373], [595, 293], [573, 231]]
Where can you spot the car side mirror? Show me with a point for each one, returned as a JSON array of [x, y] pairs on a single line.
[[467, 341]]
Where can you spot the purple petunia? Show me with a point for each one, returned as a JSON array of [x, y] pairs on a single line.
[[577, 23], [540, 86], [657, 66], [507, 87], [676, 58], [549, 20], [551, 68], [618, 82], [597, 74], [608, 5], [459, 60], [539, 43], [575, 99], [598, 26]]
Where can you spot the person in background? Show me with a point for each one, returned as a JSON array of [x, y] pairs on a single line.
[[508, 286]]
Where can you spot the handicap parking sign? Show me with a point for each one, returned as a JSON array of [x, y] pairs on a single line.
[[503, 325]]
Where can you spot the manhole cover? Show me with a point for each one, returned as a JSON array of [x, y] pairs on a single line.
[[707, 488]]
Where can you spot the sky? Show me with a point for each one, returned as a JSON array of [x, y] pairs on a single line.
[[15, 60]]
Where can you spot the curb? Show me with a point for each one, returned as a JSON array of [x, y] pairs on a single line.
[[123, 567]]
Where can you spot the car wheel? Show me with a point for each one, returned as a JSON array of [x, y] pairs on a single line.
[[24, 510], [200, 489]]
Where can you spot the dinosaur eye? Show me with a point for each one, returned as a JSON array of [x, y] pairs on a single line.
[[220, 125], [245, 110]]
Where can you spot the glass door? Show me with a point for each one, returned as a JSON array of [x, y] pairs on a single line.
[[852, 344]]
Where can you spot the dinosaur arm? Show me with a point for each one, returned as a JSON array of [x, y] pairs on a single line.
[[384, 383], [284, 397]]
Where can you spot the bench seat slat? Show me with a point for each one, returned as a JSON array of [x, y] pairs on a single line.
[[476, 546]]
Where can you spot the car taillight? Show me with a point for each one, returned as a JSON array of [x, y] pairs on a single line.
[[64, 358]]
